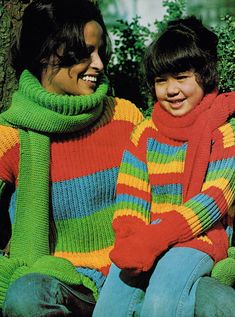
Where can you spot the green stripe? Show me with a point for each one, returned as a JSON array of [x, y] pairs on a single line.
[[200, 210], [97, 225], [156, 157], [167, 198], [132, 206], [220, 172], [129, 169]]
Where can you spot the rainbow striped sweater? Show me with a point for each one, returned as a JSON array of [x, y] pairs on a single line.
[[150, 187], [83, 173]]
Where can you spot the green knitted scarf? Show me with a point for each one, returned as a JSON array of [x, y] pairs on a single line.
[[37, 113]]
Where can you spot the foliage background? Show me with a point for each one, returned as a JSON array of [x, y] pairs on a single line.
[[125, 68]]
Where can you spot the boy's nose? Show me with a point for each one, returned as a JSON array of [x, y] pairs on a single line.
[[172, 87]]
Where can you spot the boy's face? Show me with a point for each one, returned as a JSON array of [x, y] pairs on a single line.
[[178, 93], [82, 78]]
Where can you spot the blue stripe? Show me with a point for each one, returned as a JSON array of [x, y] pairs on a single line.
[[173, 189], [94, 275], [208, 209], [84, 196], [203, 199], [12, 206], [132, 160], [154, 145], [129, 198], [79, 197], [221, 164]]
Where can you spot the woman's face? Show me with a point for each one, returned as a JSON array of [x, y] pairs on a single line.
[[82, 78], [178, 94]]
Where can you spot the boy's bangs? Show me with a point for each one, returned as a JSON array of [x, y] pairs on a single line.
[[175, 55]]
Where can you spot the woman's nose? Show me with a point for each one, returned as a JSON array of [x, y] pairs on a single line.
[[96, 62]]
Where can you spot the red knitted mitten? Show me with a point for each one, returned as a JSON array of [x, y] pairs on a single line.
[[124, 226], [137, 249]]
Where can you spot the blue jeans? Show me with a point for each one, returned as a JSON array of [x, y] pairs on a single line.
[[169, 291], [38, 295]]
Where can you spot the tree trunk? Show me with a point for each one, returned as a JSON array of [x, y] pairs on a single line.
[[10, 15]]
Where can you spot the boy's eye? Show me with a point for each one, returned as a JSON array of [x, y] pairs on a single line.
[[159, 80], [181, 77], [184, 75]]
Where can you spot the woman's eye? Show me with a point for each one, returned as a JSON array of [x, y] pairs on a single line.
[[101, 52], [90, 50]]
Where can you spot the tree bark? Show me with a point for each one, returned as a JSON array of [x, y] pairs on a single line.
[[10, 16]]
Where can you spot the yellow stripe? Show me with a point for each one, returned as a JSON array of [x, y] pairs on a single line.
[[163, 207], [133, 181], [191, 218], [228, 135], [219, 182], [138, 131], [223, 184], [171, 167], [93, 260], [130, 212], [124, 108], [205, 239], [8, 138]]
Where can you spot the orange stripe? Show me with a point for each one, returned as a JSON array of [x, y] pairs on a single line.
[[124, 108], [94, 260], [8, 138], [228, 135]]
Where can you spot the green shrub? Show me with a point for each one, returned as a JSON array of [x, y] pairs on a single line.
[[226, 53], [125, 71]]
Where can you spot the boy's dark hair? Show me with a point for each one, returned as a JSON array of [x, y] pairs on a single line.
[[186, 44], [49, 25]]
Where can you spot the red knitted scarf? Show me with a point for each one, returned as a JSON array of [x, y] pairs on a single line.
[[196, 127]]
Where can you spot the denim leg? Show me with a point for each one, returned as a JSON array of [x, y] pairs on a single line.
[[214, 299], [120, 295], [38, 295], [172, 286]]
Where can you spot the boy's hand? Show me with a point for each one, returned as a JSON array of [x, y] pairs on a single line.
[[138, 250]]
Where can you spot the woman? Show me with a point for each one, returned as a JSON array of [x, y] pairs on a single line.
[[61, 144]]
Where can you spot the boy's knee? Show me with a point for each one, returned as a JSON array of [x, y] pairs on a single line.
[[155, 305]]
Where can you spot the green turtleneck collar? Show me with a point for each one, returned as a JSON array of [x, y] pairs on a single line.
[[36, 109]]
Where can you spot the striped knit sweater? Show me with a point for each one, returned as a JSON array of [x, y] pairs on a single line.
[[150, 190], [83, 173]]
